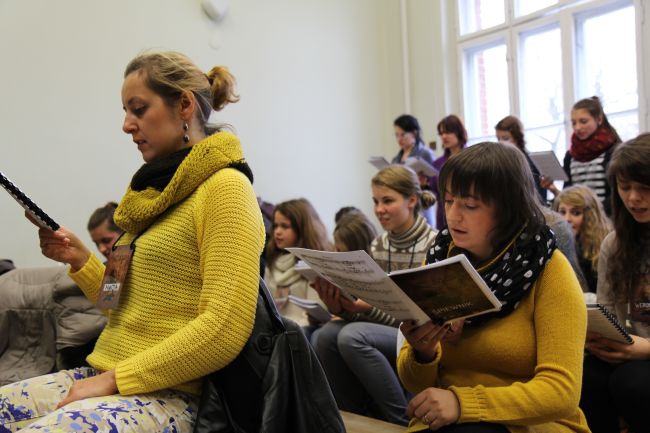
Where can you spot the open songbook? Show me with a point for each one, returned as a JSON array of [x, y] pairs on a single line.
[[443, 292], [419, 165], [305, 271], [548, 165], [602, 321]]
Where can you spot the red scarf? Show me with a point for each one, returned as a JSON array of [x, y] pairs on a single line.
[[592, 147]]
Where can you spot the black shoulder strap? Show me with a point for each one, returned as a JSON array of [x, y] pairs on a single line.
[[270, 306]]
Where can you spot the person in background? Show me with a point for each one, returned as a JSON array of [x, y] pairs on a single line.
[[358, 353], [616, 379], [344, 211], [295, 224], [581, 208], [517, 370], [102, 228], [565, 242], [592, 143], [511, 130], [190, 260], [453, 135], [409, 138]]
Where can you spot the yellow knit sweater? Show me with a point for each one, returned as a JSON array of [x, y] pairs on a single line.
[[188, 304], [523, 370]]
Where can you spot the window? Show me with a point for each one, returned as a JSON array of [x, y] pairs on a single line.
[[541, 95], [480, 14], [535, 58], [486, 64], [524, 7], [607, 65]]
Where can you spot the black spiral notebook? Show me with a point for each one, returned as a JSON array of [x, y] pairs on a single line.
[[39, 215], [602, 321]]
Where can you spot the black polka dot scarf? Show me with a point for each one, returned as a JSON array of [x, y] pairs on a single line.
[[512, 273]]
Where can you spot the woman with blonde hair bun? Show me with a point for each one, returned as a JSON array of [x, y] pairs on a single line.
[[187, 268], [581, 208]]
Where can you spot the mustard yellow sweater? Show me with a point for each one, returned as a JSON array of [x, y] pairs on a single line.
[[523, 370], [188, 304]]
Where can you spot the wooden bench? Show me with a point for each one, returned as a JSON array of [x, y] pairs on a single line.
[[362, 424]]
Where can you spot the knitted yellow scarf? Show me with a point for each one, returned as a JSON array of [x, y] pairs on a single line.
[[139, 209]]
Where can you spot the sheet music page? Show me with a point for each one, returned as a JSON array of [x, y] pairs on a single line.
[[357, 274], [308, 273], [548, 165], [378, 162], [419, 165]]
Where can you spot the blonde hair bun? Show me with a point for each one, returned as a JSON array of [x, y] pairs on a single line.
[[427, 199], [222, 87]]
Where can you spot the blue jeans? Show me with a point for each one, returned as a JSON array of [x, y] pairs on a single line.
[[359, 361]]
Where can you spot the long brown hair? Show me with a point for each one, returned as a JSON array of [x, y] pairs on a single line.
[[453, 125], [595, 225], [630, 162], [305, 222], [514, 126]]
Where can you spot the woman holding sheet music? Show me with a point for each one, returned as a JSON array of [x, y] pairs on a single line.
[[412, 147], [358, 353], [187, 268], [295, 224], [592, 143], [409, 138], [617, 376], [519, 369]]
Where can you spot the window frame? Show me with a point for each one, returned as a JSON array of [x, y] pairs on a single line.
[[566, 14]]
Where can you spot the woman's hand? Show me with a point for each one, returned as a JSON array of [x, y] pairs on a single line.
[[435, 407], [455, 331], [614, 352], [547, 183], [358, 306], [329, 294], [96, 386], [62, 246], [423, 339], [336, 303]]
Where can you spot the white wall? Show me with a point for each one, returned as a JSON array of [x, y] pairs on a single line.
[[318, 79]]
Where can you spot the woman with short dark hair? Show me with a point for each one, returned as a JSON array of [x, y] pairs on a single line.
[[518, 369]]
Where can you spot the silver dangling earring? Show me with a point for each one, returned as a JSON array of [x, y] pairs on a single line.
[[186, 138]]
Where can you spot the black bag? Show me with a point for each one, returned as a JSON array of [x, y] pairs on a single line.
[[275, 384]]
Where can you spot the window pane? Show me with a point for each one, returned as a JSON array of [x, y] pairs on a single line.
[[547, 138], [607, 59], [524, 7], [477, 15], [540, 83], [626, 124], [486, 89]]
